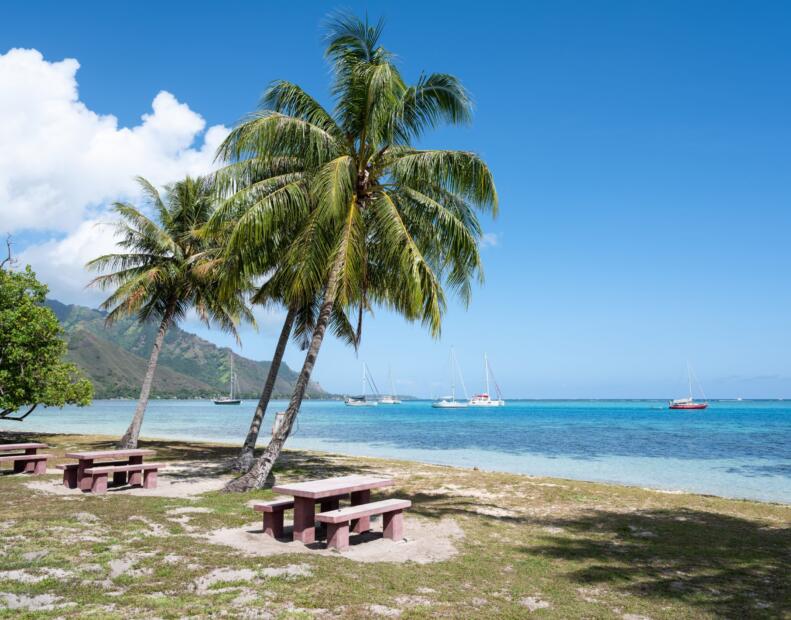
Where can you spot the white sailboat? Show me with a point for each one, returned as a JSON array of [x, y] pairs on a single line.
[[689, 402], [230, 399], [362, 400], [450, 402], [484, 399], [392, 398]]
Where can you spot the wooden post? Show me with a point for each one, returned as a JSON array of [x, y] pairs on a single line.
[[305, 519], [99, 484], [364, 524], [135, 477], [338, 535], [394, 525], [273, 523], [83, 481], [150, 479]]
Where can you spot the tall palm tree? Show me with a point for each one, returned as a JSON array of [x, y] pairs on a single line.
[[165, 271], [385, 223]]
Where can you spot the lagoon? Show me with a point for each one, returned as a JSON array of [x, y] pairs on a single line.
[[732, 449]]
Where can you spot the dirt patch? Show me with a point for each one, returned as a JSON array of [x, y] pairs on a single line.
[[533, 603], [23, 576], [222, 575], [189, 510], [426, 541], [384, 612], [179, 480], [41, 602]]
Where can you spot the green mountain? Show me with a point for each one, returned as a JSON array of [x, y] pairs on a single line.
[[115, 357]]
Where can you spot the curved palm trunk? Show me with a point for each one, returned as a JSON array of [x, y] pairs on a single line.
[[129, 440], [256, 477], [247, 456]]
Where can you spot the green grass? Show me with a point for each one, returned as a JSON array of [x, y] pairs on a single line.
[[587, 550]]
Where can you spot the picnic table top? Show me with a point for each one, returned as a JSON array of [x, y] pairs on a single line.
[[329, 487], [102, 454], [8, 447]]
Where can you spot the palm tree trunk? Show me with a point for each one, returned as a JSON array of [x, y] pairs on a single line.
[[258, 474], [129, 440], [247, 456]]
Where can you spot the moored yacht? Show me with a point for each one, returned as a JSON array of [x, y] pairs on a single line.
[[450, 402], [363, 400], [688, 402], [484, 399]]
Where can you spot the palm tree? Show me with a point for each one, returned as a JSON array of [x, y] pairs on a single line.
[[165, 272], [383, 223]]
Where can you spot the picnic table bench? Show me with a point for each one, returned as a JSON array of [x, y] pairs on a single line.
[[338, 520], [125, 465], [328, 493], [27, 458]]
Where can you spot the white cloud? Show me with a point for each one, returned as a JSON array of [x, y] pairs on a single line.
[[61, 263], [61, 162], [490, 240]]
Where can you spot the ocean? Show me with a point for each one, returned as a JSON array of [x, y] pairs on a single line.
[[733, 449]]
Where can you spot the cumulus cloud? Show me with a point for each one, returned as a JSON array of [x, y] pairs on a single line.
[[61, 165], [61, 161], [490, 240]]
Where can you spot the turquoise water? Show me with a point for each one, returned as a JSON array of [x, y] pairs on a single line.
[[733, 449]]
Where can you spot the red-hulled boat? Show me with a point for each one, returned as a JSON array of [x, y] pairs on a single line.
[[688, 402]]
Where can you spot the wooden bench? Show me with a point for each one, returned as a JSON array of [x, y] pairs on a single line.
[[70, 472], [338, 520], [148, 473], [273, 515], [273, 512], [27, 463]]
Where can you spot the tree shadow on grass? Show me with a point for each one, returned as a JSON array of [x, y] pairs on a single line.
[[725, 565]]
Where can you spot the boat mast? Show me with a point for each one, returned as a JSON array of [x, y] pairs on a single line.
[[689, 378], [486, 370], [232, 377], [452, 375]]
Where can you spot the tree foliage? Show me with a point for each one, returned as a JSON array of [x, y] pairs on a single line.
[[32, 370]]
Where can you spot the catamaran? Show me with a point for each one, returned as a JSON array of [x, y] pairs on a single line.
[[230, 399], [689, 402], [392, 398], [450, 402], [484, 399], [363, 401]]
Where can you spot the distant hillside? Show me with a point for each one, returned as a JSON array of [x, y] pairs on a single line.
[[115, 359]]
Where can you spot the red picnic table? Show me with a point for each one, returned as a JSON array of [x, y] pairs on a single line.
[[27, 458], [74, 477], [329, 493]]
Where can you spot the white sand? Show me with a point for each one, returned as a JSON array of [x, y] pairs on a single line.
[[426, 541]]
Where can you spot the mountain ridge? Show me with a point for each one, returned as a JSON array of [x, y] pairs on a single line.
[[115, 358]]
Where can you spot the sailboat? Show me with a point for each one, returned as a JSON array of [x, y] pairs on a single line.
[[689, 402], [363, 401], [392, 398], [450, 402], [484, 399], [230, 399]]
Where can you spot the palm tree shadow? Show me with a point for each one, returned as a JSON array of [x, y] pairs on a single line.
[[725, 565]]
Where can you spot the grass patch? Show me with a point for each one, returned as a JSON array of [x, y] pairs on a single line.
[[535, 547]]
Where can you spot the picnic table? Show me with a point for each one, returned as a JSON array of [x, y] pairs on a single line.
[[328, 493], [120, 460], [26, 457]]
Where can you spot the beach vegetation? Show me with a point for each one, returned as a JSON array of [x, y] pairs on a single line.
[[168, 268], [385, 223], [33, 371]]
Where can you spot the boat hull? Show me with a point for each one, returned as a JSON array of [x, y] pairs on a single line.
[[228, 401], [449, 405], [689, 406]]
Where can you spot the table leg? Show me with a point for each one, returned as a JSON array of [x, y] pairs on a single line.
[[30, 466], [361, 525], [305, 519], [135, 477], [84, 482]]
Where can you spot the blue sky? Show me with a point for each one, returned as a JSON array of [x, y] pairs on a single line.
[[641, 152]]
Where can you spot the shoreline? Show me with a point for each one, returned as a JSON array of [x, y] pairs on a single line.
[[413, 462]]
